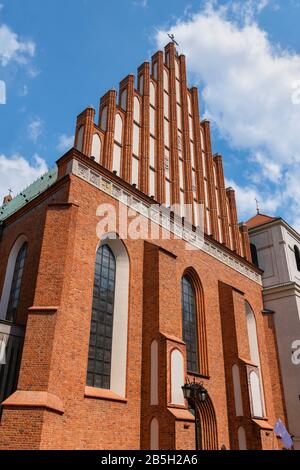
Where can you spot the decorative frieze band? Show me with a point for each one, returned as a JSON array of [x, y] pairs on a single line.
[[160, 216]]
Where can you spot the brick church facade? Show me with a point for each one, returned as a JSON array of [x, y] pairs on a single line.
[[99, 335]]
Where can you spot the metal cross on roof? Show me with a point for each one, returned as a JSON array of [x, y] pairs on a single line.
[[172, 37], [257, 205]]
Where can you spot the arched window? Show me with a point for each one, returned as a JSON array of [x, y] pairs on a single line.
[[101, 335], [189, 322], [297, 257], [80, 139], [14, 295], [254, 254], [107, 363]]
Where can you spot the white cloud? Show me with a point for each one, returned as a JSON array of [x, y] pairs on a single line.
[[141, 3], [247, 86], [248, 9], [270, 170], [65, 142], [13, 49], [35, 129], [2, 92], [24, 91], [17, 173]]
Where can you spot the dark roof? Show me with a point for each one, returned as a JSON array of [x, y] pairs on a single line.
[[30, 193], [260, 219]]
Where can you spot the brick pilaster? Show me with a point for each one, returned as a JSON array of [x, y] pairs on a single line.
[[109, 100], [189, 197], [126, 163], [86, 119], [144, 70], [234, 220], [175, 191], [210, 179], [158, 58], [222, 193]]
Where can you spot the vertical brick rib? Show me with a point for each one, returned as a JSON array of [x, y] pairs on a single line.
[[126, 164], [160, 142], [189, 197], [222, 192], [144, 70], [109, 100], [234, 220], [210, 179], [86, 119], [198, 149], [170, 49]]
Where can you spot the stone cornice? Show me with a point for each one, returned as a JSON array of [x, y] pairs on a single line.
[[279, 291]]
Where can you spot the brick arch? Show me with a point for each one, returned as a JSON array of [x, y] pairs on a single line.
[[193, 277], [208, 432]]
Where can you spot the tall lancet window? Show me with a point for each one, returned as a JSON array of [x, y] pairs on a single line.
[[297, 257], [16, 284], [100, 348], [189, 323]]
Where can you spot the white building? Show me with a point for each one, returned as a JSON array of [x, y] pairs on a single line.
[[276, 249]]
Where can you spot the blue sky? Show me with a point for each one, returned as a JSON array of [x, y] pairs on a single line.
[[59, 56]]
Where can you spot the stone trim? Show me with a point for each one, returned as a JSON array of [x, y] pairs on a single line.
[[103, 394], [26, 399]]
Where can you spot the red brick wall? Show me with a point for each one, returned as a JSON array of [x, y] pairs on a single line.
[[56, 345]]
